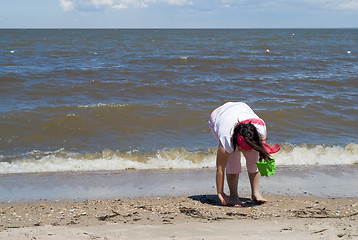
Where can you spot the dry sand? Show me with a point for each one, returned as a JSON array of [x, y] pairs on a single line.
[[193, 217]]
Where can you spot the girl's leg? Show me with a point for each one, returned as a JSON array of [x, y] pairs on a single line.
[[254, 182], [233, 168], [233, 181], [252, 157]]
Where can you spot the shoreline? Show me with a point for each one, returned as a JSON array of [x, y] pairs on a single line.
[[183, 217], [319, 181], [303, 203]]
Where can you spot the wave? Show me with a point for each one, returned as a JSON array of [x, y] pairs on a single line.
[[172, 158]]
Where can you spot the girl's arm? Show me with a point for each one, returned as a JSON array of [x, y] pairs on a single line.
[[265, 138]]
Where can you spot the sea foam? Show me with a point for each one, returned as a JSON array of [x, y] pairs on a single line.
[[107, 160]]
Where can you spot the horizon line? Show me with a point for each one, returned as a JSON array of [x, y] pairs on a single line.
[[167, 28]]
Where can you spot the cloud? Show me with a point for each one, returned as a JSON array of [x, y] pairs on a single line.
[[66, 5], [99, 5], [325, 4], [255, 4], [95, 5], [335, 4], [179, 2]]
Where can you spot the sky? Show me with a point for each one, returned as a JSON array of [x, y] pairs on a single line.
[[178, 13]]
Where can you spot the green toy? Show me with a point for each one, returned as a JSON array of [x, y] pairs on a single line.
[[266, 168]]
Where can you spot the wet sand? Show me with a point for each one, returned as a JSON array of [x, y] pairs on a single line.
[[303, 203], [321, 181]]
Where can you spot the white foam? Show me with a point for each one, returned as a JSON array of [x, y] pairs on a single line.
[[183, 58], [61, 161], [58, 164], [113, 105], [317, 155]]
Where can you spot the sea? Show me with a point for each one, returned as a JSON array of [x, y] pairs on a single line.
[[88, 100]]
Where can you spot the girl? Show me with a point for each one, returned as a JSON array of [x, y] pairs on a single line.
[[238, 129]]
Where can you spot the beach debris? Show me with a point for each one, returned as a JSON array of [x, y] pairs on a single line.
[[232, 214], [81, 214], [320, 231], [286, 229], [190, 212], [106, 217]]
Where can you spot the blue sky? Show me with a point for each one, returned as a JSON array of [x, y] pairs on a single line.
[[178, 13]]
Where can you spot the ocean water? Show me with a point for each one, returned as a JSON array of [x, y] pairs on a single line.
[[115, 99]]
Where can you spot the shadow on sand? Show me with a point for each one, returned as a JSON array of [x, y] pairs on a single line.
[[213, 199]]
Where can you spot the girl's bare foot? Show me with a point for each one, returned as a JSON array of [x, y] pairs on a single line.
[[224, 199], [235, 201], [258, 199]]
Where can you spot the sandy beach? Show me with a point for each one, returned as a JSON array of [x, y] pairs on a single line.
[[189, 217], [303, 203]]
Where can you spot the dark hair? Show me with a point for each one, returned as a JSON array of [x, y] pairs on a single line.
[[249, 132]]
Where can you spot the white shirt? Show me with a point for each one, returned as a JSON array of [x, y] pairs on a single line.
[[229, 115]]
